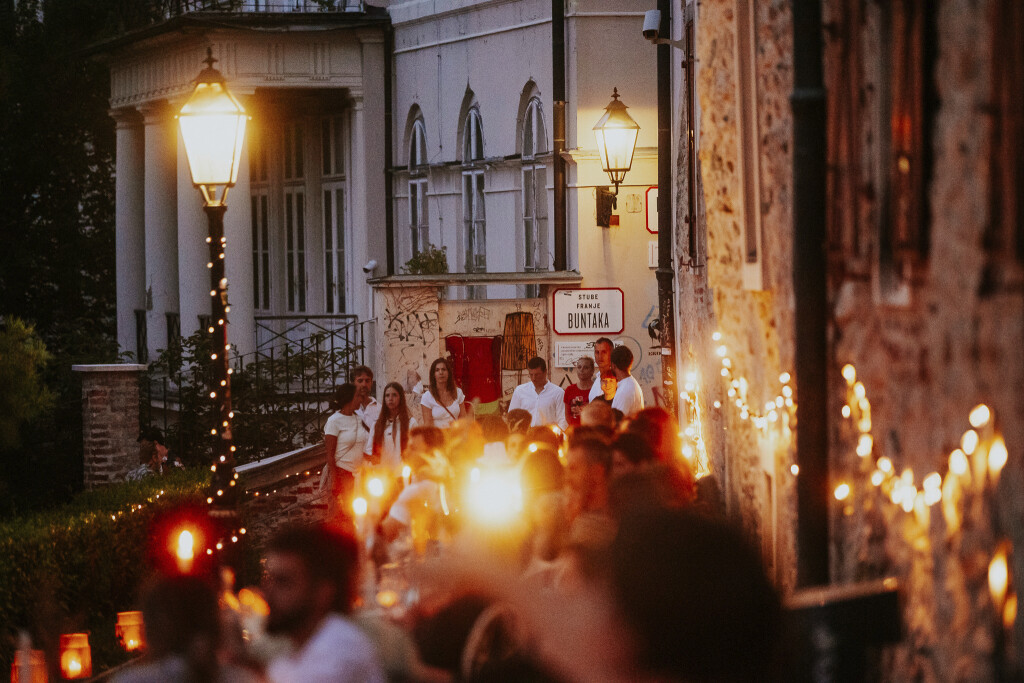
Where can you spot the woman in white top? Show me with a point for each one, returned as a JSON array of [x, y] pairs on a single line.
[[443, 403], [344, 438], [390, 434]]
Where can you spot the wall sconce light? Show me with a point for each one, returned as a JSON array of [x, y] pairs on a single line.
[[128, 631], [616, 134], [75, 656]]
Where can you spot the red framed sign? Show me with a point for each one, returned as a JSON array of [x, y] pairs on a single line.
[[594, 310], [651, 209]]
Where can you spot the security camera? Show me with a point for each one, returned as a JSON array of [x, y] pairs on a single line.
[[652, 24], [370, 266], [652, 30]]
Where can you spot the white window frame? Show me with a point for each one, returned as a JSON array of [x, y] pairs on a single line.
[[419, 214], [262, 292], [534, 191], [474, 215]]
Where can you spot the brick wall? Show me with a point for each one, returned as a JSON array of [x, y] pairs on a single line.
[[110, 421]]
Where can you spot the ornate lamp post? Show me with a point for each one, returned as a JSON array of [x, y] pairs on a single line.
[[213, 129], [616, 134]]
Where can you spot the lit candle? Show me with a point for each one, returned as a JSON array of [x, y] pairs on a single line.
[[75, 656], [129, 630]]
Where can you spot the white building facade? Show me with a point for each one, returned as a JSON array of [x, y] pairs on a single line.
[[307, 211], [469, 168]]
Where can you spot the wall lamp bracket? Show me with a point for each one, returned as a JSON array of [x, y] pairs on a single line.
[[607, 201]]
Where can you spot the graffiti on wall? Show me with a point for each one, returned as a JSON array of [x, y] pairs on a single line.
[[410, 324]]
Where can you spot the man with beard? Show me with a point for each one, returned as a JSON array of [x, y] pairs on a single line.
[[309, 584]]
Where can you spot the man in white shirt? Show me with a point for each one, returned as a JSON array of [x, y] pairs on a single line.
[[309, 584], [603, 359], [629, 397], [539, 397], [368, 409]]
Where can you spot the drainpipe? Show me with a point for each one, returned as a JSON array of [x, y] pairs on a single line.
[[809, 285], [664, 273], [558, 128], [389, 187]]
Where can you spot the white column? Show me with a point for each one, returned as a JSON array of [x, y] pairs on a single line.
[[129, 224], [193, 251], [360, 223], [161, 211], [238, 261]]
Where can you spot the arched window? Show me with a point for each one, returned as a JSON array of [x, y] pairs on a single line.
[[473, 215], [535, 196], [418, 215]]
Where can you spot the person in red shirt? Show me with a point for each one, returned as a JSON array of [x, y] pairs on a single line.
[[577, 395]]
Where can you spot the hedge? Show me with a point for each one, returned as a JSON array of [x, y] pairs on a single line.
[[74, 568]]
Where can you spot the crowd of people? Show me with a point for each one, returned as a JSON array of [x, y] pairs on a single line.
[[566, 540]]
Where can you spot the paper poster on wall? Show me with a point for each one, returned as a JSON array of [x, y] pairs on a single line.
[[568, 352], [588, 311]]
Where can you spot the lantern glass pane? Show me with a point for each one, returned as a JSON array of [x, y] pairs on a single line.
[[213, 129]]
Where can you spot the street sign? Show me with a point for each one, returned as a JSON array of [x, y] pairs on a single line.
[[588, 311], [651, 205]]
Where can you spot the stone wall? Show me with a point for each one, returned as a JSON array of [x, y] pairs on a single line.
[[282, 489], [926, 352], [110, 421], [756, 324]]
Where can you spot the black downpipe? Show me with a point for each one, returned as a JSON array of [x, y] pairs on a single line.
[[664, 273], [810, 287], [389, 188], [558, 128]]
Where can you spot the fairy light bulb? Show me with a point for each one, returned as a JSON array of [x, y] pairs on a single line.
[[849, 373], [842, 491], [997, 456], [998, 577], [958, 462], [980, 415], [969, 441], [864, 445]]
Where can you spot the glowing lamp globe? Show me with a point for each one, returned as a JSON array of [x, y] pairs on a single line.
[[75, 656], [212, 124], [616, 133]]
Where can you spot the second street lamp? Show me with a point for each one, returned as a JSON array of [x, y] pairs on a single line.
[[212, 124], [616, 133]]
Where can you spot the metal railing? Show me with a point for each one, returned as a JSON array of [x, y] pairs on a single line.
[[173, 8], [280, 392]]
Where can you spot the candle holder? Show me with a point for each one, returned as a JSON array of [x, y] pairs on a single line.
[[75, 656], [128, 631]]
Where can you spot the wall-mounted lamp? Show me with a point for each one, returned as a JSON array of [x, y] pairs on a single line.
[[616, 134]]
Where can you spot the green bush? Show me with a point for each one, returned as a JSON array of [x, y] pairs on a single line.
[[76, 567], [429, 261]]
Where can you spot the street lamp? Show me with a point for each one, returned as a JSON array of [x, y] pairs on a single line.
[[616, 134], [212, 126]]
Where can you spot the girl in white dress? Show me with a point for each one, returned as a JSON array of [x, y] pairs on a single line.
[[443, 403], [390, 434]]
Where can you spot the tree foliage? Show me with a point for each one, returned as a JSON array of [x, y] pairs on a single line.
[[23, 396], [57, 222]]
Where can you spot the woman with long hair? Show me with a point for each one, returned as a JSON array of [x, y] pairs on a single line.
[[344, 438], [390, 433], [444, 403]]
